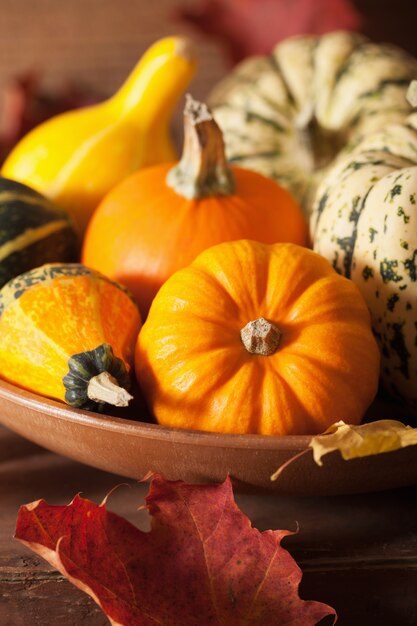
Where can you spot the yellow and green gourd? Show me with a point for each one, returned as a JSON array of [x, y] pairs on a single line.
[[68, 332]]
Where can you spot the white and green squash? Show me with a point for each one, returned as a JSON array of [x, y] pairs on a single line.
[[364, 221], [33, 231], [384, 266], [288, 115]]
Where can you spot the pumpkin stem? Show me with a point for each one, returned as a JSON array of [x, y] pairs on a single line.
[[203, 170], [260, 337], [412, 93], [105, 388]]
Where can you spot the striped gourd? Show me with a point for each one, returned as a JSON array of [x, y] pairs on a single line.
[[68, 332], [288, 115], [364, 221], [32, 231], [384, 266]]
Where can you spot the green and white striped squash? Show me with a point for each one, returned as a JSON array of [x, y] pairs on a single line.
[[364, 221], [288, 115], [384, 266], [33, 231]]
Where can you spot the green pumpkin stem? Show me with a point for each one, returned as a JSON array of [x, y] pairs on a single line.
[[203, 170]]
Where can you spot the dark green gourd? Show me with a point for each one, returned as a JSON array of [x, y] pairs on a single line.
[[33, 231]]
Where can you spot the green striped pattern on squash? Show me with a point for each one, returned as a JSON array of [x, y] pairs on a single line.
[[32, 231], [287, 116], [364, 221], [342, 198], [384, 266]]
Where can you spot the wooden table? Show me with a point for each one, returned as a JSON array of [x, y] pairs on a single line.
[[358, 553]]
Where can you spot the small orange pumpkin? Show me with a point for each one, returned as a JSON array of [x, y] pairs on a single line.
[[160, 218], [69, 333], [255, 338]]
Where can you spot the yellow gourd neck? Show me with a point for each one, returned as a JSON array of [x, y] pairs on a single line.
[[154, 86]]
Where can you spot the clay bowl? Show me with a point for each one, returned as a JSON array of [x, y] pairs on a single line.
[[132, 448]]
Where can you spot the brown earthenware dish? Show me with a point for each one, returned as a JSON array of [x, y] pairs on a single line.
[[132, 448]]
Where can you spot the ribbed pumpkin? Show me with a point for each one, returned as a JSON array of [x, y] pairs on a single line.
[[32, 231], [160, 218], [364, 222], [255, 338], [75, 158], [288, 115], [68, 332]]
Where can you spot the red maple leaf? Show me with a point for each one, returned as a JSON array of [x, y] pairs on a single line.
[[201, 564], [248, 27]]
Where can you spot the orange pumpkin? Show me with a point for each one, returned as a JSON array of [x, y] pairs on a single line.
[[255, 338], [69, 333], [159, 219]]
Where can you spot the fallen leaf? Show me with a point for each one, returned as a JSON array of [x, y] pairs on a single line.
[[201, 564], [364, 440], [248, 27], [358, 441]]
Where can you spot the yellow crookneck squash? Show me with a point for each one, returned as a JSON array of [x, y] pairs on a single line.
[[75, 158], [68, 333], [256, 338]]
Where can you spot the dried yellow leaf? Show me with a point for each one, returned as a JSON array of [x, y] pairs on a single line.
[[358, 441], [364, 440]]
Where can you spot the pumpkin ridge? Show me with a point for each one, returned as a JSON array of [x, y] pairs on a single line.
[[224, 281], [231, 387], [291, 400], [203, 279], [38, 367], [315, 373]]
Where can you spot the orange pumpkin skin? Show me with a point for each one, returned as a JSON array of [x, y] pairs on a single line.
[[196, 373], [56, 311], [143, 231]]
